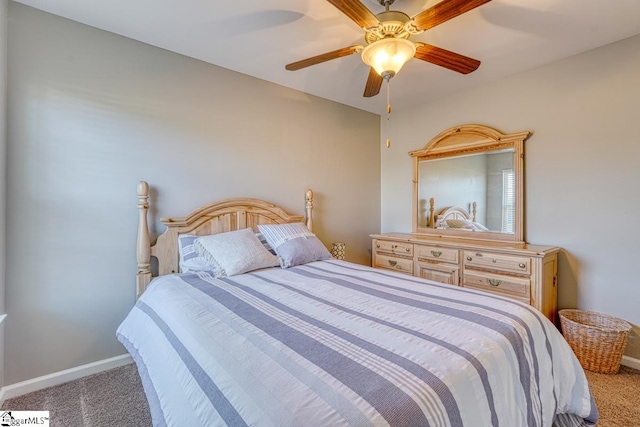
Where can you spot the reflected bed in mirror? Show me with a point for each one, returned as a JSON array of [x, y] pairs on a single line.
[[470, 179], [458, 182], [454, 217]]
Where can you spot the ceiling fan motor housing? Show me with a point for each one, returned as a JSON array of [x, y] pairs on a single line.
[[392, 24]]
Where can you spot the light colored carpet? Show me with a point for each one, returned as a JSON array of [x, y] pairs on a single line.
[[115, 397], [617, 397], [110, 398]]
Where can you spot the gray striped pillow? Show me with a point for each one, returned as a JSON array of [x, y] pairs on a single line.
[[277, 234], [264, 242], [189, 259]]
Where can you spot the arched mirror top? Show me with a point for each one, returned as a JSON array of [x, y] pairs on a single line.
[[468, 183]]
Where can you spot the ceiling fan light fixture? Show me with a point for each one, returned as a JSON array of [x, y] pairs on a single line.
[[387, 56]]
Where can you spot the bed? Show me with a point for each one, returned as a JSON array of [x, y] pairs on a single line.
[[454, 217], [329, 343]]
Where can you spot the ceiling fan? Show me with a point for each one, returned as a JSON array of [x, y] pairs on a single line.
[[387, 36]]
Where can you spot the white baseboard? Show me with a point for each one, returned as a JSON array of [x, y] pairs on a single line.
[[34, 384], [631, 362]]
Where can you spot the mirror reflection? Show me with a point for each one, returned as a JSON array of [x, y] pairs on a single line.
[[475, 192]]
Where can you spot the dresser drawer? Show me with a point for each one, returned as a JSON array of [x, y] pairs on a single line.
[[497, 262], [404, 249], [439, 272], [434, 253], [394, 263], [514, 287]]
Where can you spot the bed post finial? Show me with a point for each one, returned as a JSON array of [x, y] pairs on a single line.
[[309, 207], [143, 248], [431, 209]]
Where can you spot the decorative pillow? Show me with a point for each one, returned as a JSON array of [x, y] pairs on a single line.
[[294, 244], [234, 252], [190, 261], [301, 250], [459, 223]]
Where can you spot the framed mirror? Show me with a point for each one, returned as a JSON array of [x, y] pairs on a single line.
[[468, 182]]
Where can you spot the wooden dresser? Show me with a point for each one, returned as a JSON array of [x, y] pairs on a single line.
[[524, 272]]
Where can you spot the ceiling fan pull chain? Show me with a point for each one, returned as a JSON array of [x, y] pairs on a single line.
[[388, 110]]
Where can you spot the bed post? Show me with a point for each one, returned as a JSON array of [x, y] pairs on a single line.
[[431, 209], [309, 208], [143, 248]]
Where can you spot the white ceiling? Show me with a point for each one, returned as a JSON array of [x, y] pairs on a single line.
[[259, 37]]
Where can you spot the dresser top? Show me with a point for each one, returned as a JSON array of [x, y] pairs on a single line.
[[474, 244]]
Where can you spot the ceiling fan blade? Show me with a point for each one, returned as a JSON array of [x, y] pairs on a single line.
[[345, 51], [374, 83], [444, 11], [357, 12], [446, 58]]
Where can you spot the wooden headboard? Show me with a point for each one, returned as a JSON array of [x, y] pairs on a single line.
[[218, 217], [456, 212], [452, 212]]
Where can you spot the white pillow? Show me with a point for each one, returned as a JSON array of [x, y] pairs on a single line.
[[466, 224], [459, 223], [479, 227], [189, 259], [234, 252]]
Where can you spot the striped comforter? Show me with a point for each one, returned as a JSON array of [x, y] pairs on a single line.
[[332, 343]]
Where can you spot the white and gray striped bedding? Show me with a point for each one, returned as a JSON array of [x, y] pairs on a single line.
[[332, 343]]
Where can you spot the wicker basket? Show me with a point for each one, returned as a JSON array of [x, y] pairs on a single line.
[[597, 339]]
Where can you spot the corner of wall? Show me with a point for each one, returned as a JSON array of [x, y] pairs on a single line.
[[3, 171]]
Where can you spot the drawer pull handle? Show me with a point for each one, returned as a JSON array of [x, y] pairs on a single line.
[[469, 258], [392, 263], [494, 260], [378, 246], [394, 246], [407, 249], [494, 282], [436, 253], [522, 265]]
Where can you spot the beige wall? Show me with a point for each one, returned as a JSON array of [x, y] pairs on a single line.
[[91, 114], [3, 171], [582, 174]]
